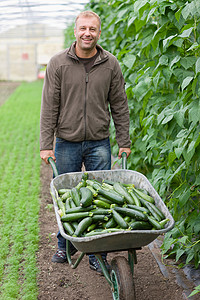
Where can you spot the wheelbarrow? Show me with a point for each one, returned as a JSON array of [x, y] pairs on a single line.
[[120, 278]]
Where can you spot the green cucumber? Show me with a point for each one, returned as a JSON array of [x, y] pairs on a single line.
[[154, 223], [63, 191], [66, 195], [67, 205], [128, 185], [101, 203], [61, 205], [78, 209], [75, 216], [99, 197], [84, 176], [71, 203], [81, 184], [133, 213], [157, 210], [96, 232], [139, 208], [112, 196], [135, 197], [151, 208], [94, 192], [143, 195], [111, 223], [86, 197], [68, 228], [96, 185], [101, 211], [119, 219], [107, 186], [75, 196], [82, 226], [119, 188], [110, 182], [99, 218], [127, 219], [163, 222], [74, 224], [92, 227], [140, 225]]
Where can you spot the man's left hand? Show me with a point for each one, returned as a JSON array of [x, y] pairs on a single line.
[[121, 150]]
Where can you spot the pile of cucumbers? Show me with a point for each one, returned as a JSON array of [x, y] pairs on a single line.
[[93, 208]]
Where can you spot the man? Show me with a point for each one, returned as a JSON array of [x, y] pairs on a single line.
[[80, 84]]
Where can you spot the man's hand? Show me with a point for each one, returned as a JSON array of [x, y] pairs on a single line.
[[121, 150], [45, 154]]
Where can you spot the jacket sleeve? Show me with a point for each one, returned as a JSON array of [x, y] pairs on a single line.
[[49, 106], [119, 107]]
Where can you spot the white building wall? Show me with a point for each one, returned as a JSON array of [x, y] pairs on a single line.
[[23, 52]]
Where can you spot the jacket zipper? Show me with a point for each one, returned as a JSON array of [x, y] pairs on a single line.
[[86, 81]]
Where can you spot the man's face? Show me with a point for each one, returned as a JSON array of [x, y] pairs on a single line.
[[87, 33]]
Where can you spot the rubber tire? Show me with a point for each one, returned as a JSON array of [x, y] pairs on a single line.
[[125, 283]]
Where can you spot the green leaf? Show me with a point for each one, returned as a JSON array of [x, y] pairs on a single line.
[[180, 116], [129, 60], [174, 61], [181, 74], [179, 253], [179, 169], [156, 80], [194, 112], [189, 8], [142, 88], [178, 14], [186, 33], [171, 157], [168, 39], [140, 6], [191, 146], [167, 119], [197, 66], [193, 47], [188, 62], [184, 198], [188, 156], [163, 60], [196, 291], [178, 152], [159, 35], [186, 82]]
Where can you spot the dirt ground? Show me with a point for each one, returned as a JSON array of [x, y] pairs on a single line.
[[153, 279]]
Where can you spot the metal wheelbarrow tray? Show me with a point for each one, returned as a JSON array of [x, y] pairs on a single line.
[[117, 241]]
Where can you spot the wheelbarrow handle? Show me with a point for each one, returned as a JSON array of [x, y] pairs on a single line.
[[53, 165], [124, 160], [55, 171]]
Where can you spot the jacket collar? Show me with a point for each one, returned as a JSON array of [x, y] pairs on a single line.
[[102, 53]]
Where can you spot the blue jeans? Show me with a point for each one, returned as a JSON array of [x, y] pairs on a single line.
[[96, 155]]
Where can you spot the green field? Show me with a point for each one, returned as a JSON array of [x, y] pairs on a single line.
[[20, 192]]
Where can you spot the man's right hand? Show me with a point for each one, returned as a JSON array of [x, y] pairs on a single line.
[[45, 154]]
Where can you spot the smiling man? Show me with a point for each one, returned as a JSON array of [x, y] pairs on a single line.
[[83, 88]]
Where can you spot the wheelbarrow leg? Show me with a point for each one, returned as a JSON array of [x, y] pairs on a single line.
[[103, 267], [77, 262], [132, 259]]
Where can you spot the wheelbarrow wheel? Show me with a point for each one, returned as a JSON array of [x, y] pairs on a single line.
[[122, 279]]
